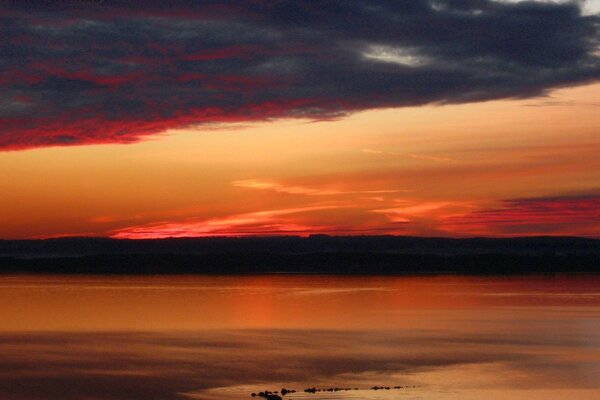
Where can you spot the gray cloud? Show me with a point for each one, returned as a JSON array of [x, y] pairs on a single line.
[[97, 72]]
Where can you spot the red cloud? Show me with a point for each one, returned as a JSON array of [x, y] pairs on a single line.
[[76, 128], [567, 215], [270, 222]]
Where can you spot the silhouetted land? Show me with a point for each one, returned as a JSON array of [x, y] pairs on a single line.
[[316, 254]]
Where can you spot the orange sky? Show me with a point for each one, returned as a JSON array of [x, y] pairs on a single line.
[[499, 168]]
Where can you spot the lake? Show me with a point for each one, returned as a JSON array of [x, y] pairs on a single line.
[[215, 337]]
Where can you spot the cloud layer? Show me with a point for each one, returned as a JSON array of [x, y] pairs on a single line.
[[111, 72], [559, 215]]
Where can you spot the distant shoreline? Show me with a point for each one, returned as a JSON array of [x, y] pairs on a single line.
[[312, 263], [320, 254]]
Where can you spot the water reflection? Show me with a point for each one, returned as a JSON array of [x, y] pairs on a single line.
[[164, 338]]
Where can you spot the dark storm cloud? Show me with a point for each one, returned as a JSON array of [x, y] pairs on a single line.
[[98, 72]]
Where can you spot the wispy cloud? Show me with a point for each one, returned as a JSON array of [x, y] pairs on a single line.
[[409, 210], [431, 158], [303, 190], [374, 151], [269, 222], [277, 187], [424, 157]]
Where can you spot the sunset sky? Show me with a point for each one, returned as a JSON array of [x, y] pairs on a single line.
[[218, 118]]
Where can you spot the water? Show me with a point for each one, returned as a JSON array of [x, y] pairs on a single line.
[[163, 338]]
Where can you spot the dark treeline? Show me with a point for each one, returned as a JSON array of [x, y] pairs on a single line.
[[308, 263], [294, 245], [315, 254]]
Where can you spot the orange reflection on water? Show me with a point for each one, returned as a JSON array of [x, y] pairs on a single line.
[[34, 303], [175, 337]]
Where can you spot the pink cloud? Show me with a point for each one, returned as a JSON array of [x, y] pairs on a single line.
[[562, 215], [270, 222]]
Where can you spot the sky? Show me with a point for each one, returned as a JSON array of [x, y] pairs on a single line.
[[174, 119]]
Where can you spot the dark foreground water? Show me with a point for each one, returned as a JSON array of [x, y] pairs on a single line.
[[163, 338]]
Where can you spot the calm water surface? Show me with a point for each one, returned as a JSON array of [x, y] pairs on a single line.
[[184, 337]]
